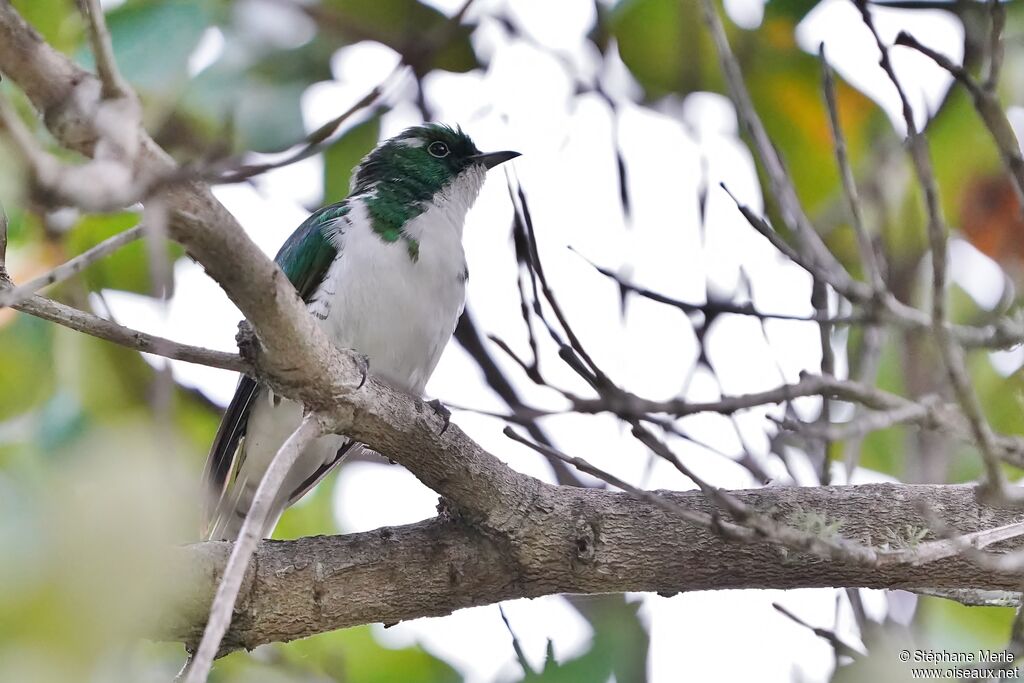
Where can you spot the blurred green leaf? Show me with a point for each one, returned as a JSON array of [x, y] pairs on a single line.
[[108, 381], [91, 530], [341, 157], [593, 665], [264, 113], [154, 40], [26, 364], [60, 422], [664, 44], [313, 515], [406, 26], [883, 450], [346, 655], [126, 269], [958, 628], [56, 20], [793, 10], [955, 128]]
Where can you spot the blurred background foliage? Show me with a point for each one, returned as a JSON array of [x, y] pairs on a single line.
[[77, 415]]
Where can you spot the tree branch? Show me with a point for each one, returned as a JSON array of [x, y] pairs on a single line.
[[16, 295], [569, 540], [80, 321]]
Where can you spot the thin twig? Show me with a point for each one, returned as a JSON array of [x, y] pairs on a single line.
[[781, 184], [15, 295], [629, 405], [997, 17], [867, 249], [706, 521], [836, 548], [848, 287], [592, 373], [714, 307], [81, 321], [103, 52], [819, 299], [314, 143], [1004, 333], [243, 549], [873, 339], [986, 102], [829, 636], [3, 241], [952, 354], [517, 646]]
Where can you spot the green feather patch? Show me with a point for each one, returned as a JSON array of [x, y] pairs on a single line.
[[308, 253]]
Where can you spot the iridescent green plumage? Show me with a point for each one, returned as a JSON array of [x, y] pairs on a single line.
[[399, 178], [308, 253]]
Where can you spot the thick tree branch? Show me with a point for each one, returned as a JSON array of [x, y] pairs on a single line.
[[569, 540]]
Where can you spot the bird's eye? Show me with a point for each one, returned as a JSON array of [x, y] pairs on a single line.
[[438, 149]]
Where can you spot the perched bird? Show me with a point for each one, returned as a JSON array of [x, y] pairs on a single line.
[[385, 273]]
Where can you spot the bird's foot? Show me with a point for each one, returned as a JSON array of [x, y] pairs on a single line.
[[441, 410]]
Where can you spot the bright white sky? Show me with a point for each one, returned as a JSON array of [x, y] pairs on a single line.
[[525, 102]]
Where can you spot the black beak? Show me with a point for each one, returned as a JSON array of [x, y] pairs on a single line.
[[492, 159]]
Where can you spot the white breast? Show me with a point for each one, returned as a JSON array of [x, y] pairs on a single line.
[[399, 312]]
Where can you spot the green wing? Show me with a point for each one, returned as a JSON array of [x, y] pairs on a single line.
[[304, 258], [308, 253]]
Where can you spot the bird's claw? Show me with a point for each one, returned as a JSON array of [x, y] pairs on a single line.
[[441, 410], [363, 363]]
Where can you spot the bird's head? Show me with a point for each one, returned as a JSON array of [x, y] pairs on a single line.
[[423, 160]]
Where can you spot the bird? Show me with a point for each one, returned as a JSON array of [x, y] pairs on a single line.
[[384, 273]]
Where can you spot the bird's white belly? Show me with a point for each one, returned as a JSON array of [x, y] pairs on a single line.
[[400, 313]]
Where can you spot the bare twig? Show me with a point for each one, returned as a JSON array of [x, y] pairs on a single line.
[[867, 249], [925, 412], [829, 636], [574, 351], [715, 307], [315, 142], [986, 102], [630, 405], [825, 547], [15, 295], [140, 341], [243, 548], [106, 66], [866, 371], [811, 244], [3, 241], [997, 17], [706, 521], [819, 299], [951, 352], [970, 545], [517, 646]]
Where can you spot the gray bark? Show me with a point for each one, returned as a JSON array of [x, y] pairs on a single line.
[[567, 540]]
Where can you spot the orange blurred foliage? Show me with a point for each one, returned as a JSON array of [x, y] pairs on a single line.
[[991, 219]]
